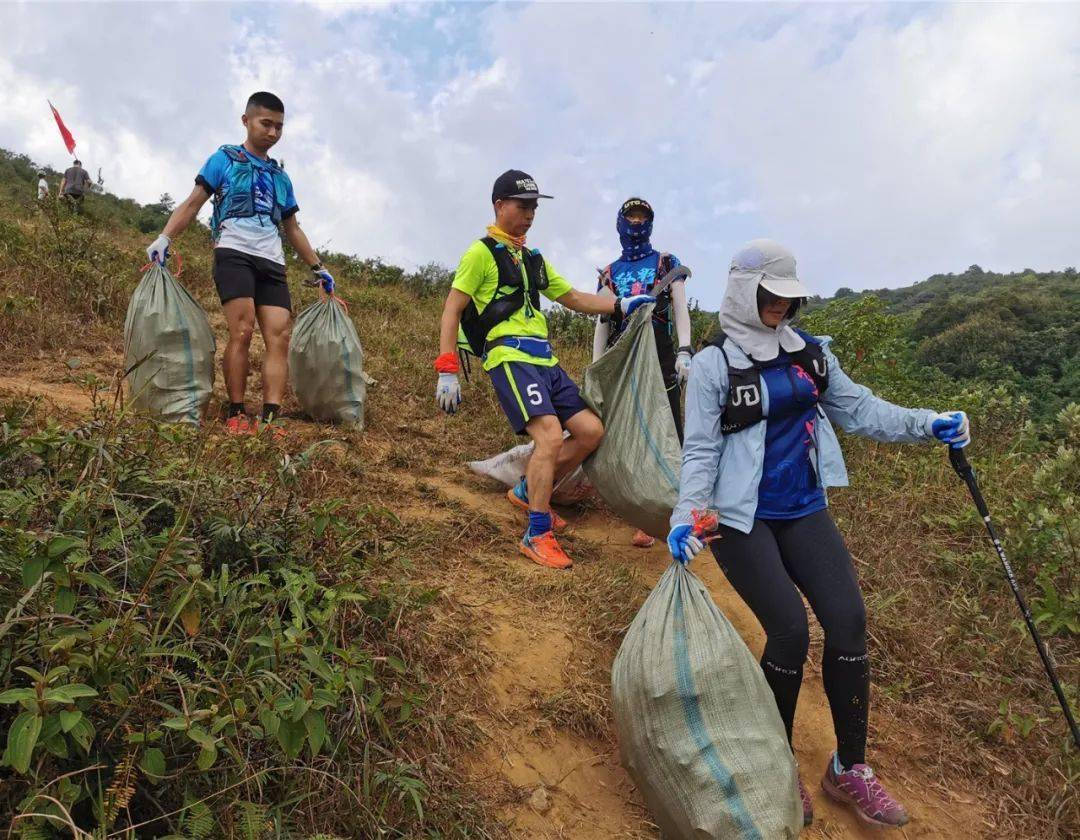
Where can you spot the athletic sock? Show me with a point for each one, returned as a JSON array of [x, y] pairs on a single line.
[[847, 685], [785, 683], [236, 409], [270, 411], [521, 490], [539, 523]]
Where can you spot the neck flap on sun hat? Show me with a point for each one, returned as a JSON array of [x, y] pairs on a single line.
[[760, 262], [634, 238]]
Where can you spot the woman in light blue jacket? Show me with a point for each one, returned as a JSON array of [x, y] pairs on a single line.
[[760, 451]]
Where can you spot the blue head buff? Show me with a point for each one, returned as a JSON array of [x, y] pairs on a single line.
[[634, 238]]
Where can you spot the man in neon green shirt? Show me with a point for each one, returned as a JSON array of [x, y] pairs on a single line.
[[495, 302]]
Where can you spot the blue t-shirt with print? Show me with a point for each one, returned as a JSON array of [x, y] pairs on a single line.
[[256, 235], [637, 277], [789, 487]]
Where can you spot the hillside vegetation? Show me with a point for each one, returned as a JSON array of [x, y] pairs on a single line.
[[210, 637], [1021, 328]]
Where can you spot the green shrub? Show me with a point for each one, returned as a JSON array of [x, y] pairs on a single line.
[[186, 641]]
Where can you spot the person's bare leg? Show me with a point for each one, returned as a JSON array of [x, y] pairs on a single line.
[[586, 432], [546, 433], [275, 324], [235, 362]]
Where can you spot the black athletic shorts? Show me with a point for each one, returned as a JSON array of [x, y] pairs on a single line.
[[240, 275]]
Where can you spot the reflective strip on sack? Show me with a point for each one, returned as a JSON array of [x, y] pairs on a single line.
[[644, 426], [695, 723]]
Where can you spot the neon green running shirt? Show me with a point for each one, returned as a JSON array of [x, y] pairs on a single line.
[[477, 276]]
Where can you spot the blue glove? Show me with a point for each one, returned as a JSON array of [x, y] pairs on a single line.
[[952, 428], [321, 277], [627, 305], [682, 543]]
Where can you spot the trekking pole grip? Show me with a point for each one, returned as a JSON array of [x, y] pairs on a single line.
[[964, 469]]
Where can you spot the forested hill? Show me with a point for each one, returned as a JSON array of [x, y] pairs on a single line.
[[1021, 328]]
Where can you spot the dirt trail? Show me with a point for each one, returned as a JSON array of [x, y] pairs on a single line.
[[555, 783], [64, 395], [589, 794]]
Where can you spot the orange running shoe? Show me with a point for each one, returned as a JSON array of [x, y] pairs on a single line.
[[238, 424], [557, 522], [642, 540], [545, 550]]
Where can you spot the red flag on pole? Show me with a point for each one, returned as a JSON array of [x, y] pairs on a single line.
[[69, 141]]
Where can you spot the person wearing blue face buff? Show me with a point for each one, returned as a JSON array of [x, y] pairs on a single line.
[[760, 450], [639, 268]]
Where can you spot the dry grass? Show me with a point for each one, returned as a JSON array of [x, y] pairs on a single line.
[[947, 641]]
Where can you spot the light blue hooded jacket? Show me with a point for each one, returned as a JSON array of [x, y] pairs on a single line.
[[722, 472]]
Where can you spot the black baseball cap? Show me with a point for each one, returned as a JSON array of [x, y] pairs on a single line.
[[514, 183], [636, 204]]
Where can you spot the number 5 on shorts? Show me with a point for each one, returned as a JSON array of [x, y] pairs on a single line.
[[533, 392]]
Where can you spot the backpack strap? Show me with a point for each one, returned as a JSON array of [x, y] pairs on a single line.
[[742, 406], [235, 154], [509, 297]]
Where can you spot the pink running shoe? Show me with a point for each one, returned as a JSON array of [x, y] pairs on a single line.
[[807, 804], [860, 788]]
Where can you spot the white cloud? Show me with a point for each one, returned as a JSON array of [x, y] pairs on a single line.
[[881, 143]]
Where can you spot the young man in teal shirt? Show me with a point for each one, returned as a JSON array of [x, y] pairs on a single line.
[[253, 205]]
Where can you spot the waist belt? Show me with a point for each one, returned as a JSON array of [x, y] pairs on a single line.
[[538, 347]]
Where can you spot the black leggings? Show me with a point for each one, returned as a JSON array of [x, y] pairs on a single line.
[[765, 567]]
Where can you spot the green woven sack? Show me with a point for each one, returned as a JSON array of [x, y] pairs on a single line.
[[636, 468], [698, 727], [326, 364], [169, 349]]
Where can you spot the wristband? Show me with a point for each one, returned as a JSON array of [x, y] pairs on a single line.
[[686, 349], [447, 363], [317, 268]]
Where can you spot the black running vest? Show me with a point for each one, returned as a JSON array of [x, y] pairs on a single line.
[[743, 408], [512, 293]]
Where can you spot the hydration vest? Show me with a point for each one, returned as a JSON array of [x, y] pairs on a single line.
[[514, 292], [743, 408], [238, 200], [661, 314]]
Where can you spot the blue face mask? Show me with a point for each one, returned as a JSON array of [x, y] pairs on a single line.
[[634, 238]]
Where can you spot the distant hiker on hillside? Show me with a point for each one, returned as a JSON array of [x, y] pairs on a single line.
[[42, 186], [636, 271], [75, 183], [495, 302], [253, 204], [760, 450]]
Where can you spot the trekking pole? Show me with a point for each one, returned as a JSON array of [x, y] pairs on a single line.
[[963, 469]]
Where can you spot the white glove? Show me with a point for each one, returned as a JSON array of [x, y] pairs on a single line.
[[158, 250], [448, 392], [682, 366]]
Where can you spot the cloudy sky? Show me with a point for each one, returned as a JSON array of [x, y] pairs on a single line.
[[881, 143]]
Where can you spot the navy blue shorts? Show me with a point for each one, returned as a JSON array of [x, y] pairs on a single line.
[[526, 391]]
